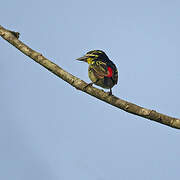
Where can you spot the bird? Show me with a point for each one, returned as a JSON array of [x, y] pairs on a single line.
[[101, 71]]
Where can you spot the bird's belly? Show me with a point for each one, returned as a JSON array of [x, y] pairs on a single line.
[[103, 82], [92, 76]]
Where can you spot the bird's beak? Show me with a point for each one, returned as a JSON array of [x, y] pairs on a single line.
[[83, 58]]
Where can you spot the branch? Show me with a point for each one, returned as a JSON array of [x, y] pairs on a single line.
[[12, 38]]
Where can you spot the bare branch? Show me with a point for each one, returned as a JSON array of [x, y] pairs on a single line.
[[12, 38]]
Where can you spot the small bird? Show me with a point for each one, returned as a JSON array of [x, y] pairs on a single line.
[[102, 71]]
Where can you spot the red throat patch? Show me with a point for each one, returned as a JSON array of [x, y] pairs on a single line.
[[110, 71]]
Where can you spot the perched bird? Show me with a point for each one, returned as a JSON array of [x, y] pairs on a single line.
[[102, 71]]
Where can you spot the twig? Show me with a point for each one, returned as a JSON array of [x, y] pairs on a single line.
[[12, 38]]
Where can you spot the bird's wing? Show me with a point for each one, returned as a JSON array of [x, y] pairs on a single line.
[[100, 69]]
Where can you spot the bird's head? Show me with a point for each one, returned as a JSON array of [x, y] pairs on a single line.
[[90, 56]]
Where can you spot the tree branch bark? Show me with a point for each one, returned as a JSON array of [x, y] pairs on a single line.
[[12, 38]]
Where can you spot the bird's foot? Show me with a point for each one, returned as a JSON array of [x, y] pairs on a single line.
[[90, 84], [110, 92]]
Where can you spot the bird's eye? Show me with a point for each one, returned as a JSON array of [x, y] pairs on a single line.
[[93, 55]]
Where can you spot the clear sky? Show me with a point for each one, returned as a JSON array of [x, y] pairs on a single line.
[[51, 131]]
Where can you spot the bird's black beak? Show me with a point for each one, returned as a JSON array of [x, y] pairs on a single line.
[[83, 58]]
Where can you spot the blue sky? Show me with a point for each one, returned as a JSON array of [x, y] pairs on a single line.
[[50, 130]]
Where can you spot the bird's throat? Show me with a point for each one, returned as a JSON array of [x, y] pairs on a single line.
[[89, 60]]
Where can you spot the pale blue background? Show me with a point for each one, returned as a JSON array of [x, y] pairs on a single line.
[[51, 131]]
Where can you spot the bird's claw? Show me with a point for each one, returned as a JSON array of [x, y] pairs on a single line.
[[90, 84], [110, 93]]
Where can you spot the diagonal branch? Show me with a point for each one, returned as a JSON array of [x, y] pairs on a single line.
[[12, 38]]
